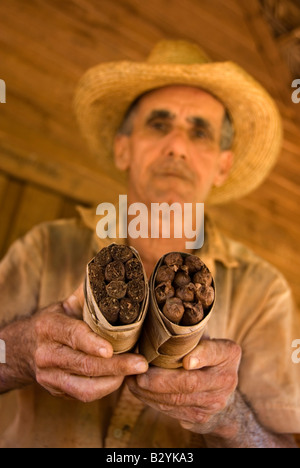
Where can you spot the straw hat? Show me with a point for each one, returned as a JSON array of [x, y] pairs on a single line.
[[106, 91]]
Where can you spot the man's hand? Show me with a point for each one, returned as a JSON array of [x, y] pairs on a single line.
[[200, 394], [64, 355], [203, 397]]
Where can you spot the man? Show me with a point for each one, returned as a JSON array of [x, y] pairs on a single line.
[[238, 387]]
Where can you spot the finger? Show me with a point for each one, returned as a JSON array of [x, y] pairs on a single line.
[[210, 401], [213, 353], [188, 413], [75, 334], [85, 389], [179, 381], [78, 363], [73, 306]]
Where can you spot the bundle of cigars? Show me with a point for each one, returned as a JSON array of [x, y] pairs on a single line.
[[165, 318], [116, 296]]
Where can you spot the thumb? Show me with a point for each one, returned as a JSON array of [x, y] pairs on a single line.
[[73, 306]]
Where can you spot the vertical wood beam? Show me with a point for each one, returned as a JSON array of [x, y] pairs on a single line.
[[268, 48]]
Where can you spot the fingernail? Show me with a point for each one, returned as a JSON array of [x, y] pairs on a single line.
[[141, 367], [104, 352], [193, 363], [186, 425], [142, 381]]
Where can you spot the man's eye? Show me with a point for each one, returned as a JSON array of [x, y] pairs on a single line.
[[200, 134], [160, 126]]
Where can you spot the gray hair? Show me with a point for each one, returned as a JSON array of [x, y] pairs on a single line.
[[227, 131]]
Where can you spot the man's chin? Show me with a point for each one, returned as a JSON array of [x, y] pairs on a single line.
[[167, 190], [172, 196]]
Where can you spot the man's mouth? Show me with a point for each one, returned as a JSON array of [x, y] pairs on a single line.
[[182, 174]]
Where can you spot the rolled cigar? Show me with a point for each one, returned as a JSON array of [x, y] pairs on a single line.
[[174, 309], [203, 276], [134, 269], [205, 295], [110, 309], [193, 314], [116, 289], [181, 279], [164, 273], [164, 291], [186, 293], [129, 311], [174, 260], [115, 271]]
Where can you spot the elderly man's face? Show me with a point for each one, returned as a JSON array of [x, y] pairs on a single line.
[[173, 152]]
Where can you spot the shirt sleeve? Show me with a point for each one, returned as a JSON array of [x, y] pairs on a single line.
[[20, 277], [269, 377]]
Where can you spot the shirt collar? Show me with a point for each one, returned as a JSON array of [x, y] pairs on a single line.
[[215, 249]]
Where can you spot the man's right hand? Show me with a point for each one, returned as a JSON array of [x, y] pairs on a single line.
[[67, 358]]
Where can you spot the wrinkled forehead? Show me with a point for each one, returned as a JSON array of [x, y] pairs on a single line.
[[177, 96], [176, 93]]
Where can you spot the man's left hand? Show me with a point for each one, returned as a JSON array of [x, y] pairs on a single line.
[[201, 393]]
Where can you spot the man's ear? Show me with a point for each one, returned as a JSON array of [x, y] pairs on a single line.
[[121, 152], [225, 165]]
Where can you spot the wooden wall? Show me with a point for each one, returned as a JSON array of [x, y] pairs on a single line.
[[45, 46], [45, 170]]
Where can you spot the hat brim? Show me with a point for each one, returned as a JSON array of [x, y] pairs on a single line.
[[106, 91]]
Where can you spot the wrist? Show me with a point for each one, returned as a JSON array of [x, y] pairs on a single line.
[[234, 426], [223, 425], [227, 423], [18, 370]]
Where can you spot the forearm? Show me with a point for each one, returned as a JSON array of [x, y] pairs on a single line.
[[17, 371], [241, 429]]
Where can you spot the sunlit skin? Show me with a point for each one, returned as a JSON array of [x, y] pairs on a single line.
[[173, 154]]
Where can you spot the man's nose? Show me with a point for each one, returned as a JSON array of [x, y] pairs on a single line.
[[176, 145]]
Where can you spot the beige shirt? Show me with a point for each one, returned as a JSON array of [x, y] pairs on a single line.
[[253, 307]]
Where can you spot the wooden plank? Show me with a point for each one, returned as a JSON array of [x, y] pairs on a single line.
[[36, 206], [267, 47], [3, 186], [8, 208], [50, 116], [69, 180], [285, 39], [68, 209], [196, 23], [137, 26]]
